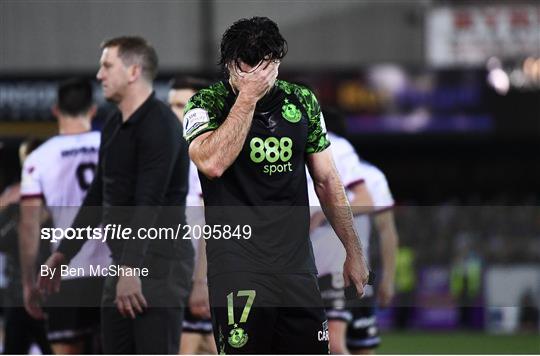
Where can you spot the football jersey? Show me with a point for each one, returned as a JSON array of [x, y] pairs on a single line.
[[60, 172], [194, 204], [194, 195], [329, 252], [266, 186]]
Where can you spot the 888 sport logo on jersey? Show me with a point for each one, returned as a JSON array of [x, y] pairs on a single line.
[[274, 152]]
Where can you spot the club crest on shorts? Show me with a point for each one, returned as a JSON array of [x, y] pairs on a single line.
[[290, 112], [237, 337]]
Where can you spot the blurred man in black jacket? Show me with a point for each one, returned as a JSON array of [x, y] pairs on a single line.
[[141, 182]]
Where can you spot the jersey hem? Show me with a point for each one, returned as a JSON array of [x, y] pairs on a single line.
[[308, 151], [355, 183], [32, 196], [383, 209]]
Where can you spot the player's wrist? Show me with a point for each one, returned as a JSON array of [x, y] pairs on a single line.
[[354, 249], [246, 98], [27, 284], [28, 276]]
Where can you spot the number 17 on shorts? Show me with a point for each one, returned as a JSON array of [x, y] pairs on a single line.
[[238, 309]]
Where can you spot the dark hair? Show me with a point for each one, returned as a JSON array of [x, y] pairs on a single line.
[[75, 96], [252, 40], [334, 120], [189, 82], [30, 144], [134, 49]]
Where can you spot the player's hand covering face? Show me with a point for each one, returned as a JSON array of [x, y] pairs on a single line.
[[253, 82]]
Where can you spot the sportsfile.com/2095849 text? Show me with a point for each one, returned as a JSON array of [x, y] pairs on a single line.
[[118, 232]]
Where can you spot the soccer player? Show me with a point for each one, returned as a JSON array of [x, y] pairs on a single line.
[[141, 183], [251, 137], [21, 330], [56, 176], [362, 334], [197, 326], [353, 329]]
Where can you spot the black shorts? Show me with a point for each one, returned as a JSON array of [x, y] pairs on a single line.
[[257, 313], [362, 331], [74, 312], [193, 324]]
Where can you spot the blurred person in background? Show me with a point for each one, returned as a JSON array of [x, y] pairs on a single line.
[[405, 286], [363, 333], [466, 279], [56, 177], [251, 137], [197, 325], [141, 183], [21, 330], [352, 325], [329, 254], [529, 312]]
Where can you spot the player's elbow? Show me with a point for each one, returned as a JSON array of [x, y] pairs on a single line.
[[321, 188], [211, 169], [213, 173], [206, 160]]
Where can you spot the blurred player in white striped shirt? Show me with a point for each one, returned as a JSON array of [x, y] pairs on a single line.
[[56, 176], [352, 324]]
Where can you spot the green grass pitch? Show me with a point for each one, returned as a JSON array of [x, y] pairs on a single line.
[[458, 343]]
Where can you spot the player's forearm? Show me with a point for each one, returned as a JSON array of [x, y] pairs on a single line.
[[387, 232], [87, 216], [360, 204], [221, 148], [338, 212], [28, 249]]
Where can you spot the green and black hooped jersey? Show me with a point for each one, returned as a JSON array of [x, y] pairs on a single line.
[[265, 187]]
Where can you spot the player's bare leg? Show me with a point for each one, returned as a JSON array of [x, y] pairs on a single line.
[[197, 343], [208, 345], [189, 343], [337, 330], [72, 348]]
